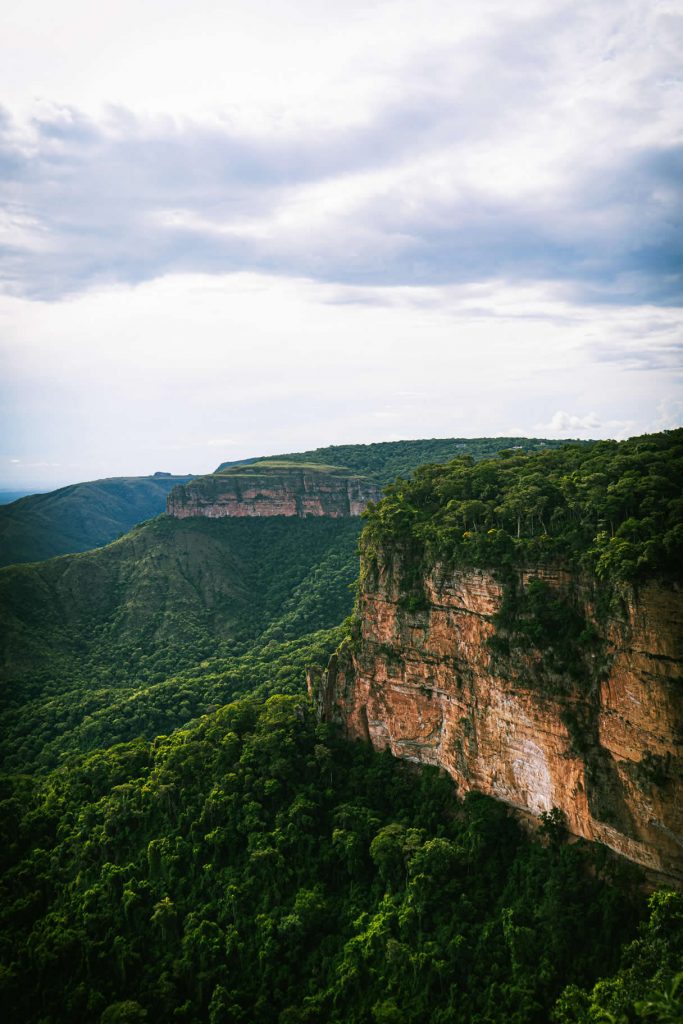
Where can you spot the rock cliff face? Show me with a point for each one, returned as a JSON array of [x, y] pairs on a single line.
[[600, 737], [274, 490]]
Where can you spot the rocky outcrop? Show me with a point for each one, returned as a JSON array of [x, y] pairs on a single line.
[[595, 730], [272, 489]]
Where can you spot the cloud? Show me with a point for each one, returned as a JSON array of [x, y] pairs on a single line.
[[129, 379], [670, 414], [651, 342], [643, 355], [563, 421], [539, 147], [563, 424]]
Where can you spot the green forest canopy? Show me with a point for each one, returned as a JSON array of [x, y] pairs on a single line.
[[86, 515], [385, 460], [615, 508], [253, 869], [142, 636]]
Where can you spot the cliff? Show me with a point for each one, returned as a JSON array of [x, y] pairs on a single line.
[[274, 489], [591, 723]]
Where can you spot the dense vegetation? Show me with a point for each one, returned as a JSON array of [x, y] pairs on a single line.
[[179, 855], [385, 460], [79, 517], [252, 869], [88, 515], [615, 508], [41, 733], [278, 465], [145, 634], [175, 617]]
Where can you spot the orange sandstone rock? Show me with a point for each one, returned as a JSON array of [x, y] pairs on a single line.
[[606, 747], [273, 491]]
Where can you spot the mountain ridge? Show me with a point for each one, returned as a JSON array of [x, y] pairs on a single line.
[[80, 516], [88, 514]]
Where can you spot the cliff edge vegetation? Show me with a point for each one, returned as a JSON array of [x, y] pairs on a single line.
[[520, 624], [614, 508], [386, 460]]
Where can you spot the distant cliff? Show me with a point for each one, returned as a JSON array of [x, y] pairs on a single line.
[[598, 735], [274, 489]]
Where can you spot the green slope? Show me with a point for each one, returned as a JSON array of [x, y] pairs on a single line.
[[79, 517], [249, 867], [387, 460], [84, 635], [288, 463], [145, 634]]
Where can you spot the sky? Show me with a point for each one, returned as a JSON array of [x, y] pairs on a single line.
[[242, 228]]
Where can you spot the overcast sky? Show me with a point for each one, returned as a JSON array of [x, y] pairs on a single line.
[[247, 227]]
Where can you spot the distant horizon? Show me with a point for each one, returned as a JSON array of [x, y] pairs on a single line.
[[46, 488]]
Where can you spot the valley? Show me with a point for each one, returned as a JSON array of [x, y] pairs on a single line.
[[187, 836]]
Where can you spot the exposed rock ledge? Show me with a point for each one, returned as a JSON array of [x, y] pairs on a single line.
[[274, 489], [606, 749]]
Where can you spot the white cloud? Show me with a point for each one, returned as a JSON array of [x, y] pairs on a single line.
[[338, 219], [267, 62], [563, 424], [670, 414], [534, 144], [562, 421], [161, 375]]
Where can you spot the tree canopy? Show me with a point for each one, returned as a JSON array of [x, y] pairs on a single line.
[[252, 868], [614, 508]]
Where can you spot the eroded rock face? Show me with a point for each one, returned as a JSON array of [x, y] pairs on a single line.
[[273, 492], [604, 744]]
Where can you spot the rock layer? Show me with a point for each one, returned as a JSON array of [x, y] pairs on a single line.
[[263, 490], [605, 745]]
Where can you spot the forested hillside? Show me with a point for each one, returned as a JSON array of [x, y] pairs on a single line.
[[386, 460], [613, 508], [141, 636], [88, 515], [171, 853], [93, 646], [253, 869], [79, 517]]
